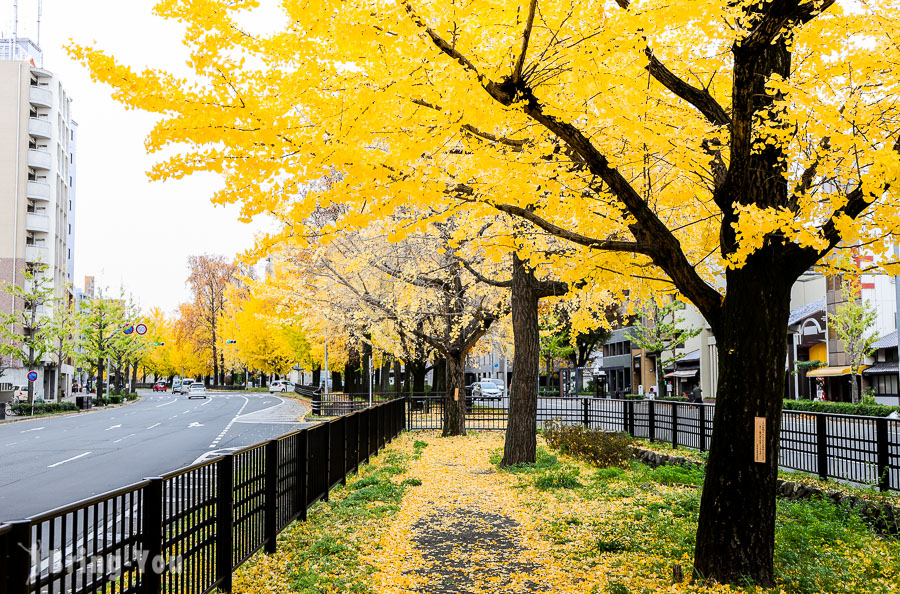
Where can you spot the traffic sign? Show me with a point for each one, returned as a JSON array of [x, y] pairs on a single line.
[[141, 329], [128, 329], [32, 376]]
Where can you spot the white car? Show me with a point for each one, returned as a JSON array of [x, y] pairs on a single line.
[[196, 390], [281, 386], [182, 387], [487, 390]]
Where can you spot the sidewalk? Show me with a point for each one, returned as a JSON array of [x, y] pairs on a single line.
[[463, 529]]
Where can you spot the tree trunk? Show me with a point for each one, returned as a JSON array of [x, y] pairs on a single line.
[[854, 389], [398, 378], [365, 377], [337, 384], [417, 370], [736, 531], [99, 387], [549, 374], [440, 376], [215, 355], [385, 385], [316, 375], [455, 398], [521, 439], [134, 377]]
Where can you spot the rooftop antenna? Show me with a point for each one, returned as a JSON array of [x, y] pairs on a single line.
[[40, 10], [15, 20]]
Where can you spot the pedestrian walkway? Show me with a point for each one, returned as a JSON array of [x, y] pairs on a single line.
[[462, 529]]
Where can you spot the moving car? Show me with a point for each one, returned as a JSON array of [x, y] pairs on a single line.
[[159, 386], [196, 390], [281, 386], [183, 386]]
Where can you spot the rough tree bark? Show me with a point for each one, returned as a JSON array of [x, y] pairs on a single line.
[[439, 381], [455, 399], [316, 375], [521, 440]]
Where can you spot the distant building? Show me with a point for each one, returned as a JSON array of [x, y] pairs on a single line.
[[37, 178]]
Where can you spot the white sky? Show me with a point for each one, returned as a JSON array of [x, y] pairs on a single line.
[[128, 231]]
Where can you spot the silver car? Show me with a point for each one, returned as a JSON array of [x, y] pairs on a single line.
[[486, 390]]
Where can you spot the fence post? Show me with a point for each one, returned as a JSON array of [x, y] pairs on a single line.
[[674, 425], [881, 440], [624, 416], [822, 445], [585, 413], [302, 454], [408, 418], [224, 521], [651, 420], [701, 422], [152, 535], [327, 461], [631, 418], [344, 467], [271, 510], [18, 572]]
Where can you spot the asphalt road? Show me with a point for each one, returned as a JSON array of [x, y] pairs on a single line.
[[47, 463]]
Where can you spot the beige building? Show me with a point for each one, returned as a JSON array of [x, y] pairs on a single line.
[[37, 176]]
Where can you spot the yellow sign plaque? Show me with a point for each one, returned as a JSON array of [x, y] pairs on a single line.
[[456, 394], [759, 442]]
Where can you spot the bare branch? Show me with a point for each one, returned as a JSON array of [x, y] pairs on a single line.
[[526, 37]]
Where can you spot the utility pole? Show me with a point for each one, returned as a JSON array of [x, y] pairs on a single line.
[[897, 313]]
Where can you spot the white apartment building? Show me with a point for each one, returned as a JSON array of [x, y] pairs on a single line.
[[37, 188]]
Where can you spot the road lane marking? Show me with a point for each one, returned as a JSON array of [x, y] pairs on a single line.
[[35, 429], [207, 402], [113, 427], [195, 424], [126, 437], [167, 403], [154, 425], [69, 460], [230, 423]]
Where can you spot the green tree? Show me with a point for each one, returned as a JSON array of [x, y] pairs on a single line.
[[61, 331], [555, 342], [100, 322], [660, 331], [852, 322], [24, 332]]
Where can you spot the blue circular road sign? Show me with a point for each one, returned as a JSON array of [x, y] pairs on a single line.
[[32, 376], [128, 329]]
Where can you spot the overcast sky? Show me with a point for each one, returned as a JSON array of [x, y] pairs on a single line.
[[128, 231]]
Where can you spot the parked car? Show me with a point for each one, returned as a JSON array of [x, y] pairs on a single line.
[[486, 390], [196, 390], [183, 386], [159, 387], [21, 393], [281, 386]]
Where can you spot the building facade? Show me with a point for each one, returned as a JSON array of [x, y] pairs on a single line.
[[37, 196]]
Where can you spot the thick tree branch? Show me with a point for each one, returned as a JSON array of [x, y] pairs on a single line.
[[483, 279], [699, 98], [778, 16], [526, 37], [418, 281]]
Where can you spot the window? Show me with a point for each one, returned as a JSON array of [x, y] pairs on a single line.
[[885, 385]]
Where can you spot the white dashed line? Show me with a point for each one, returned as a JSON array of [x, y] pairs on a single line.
[[113, 427], [167, 403], [155, 425], [126, 437], [230, 423], [69, 460], [35, 429]]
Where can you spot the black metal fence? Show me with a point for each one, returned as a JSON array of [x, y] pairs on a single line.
[[863, 450], [186, 531]]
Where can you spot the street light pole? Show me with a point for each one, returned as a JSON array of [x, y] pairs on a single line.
[[371, 374], [327, 373]]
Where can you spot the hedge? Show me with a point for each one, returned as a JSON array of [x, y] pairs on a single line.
[[841, 408], [23, 409]]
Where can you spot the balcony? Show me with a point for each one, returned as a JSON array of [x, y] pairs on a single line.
[[39, 159], [37, 190], [36, 253], [41, 96], [39, 127], [37, 222]]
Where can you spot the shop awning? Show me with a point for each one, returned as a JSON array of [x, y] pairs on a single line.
[[683, 373], [832, 371]]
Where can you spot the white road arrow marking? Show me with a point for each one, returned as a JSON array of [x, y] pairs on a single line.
[[69, 459], [195, 424], [113, 427]]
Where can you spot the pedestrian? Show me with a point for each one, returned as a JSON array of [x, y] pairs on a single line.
[[696, 394]]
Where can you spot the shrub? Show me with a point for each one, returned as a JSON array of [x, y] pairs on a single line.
[[672, 399], [590, 445], [633, 397], [42, 408], [115, 399], [561, 479], [842, 408]]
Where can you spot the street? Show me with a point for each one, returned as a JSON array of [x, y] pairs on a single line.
[[46, 463]]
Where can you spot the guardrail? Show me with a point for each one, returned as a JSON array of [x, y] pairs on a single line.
[[185, 532], [863, 450]]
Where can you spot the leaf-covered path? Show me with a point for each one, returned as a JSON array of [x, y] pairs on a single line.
[[462, 529]]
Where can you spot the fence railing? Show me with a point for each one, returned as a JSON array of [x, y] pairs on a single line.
[[863, 450], [187, 531]]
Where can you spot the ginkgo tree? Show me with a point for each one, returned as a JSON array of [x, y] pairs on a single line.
[[721, 146]]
